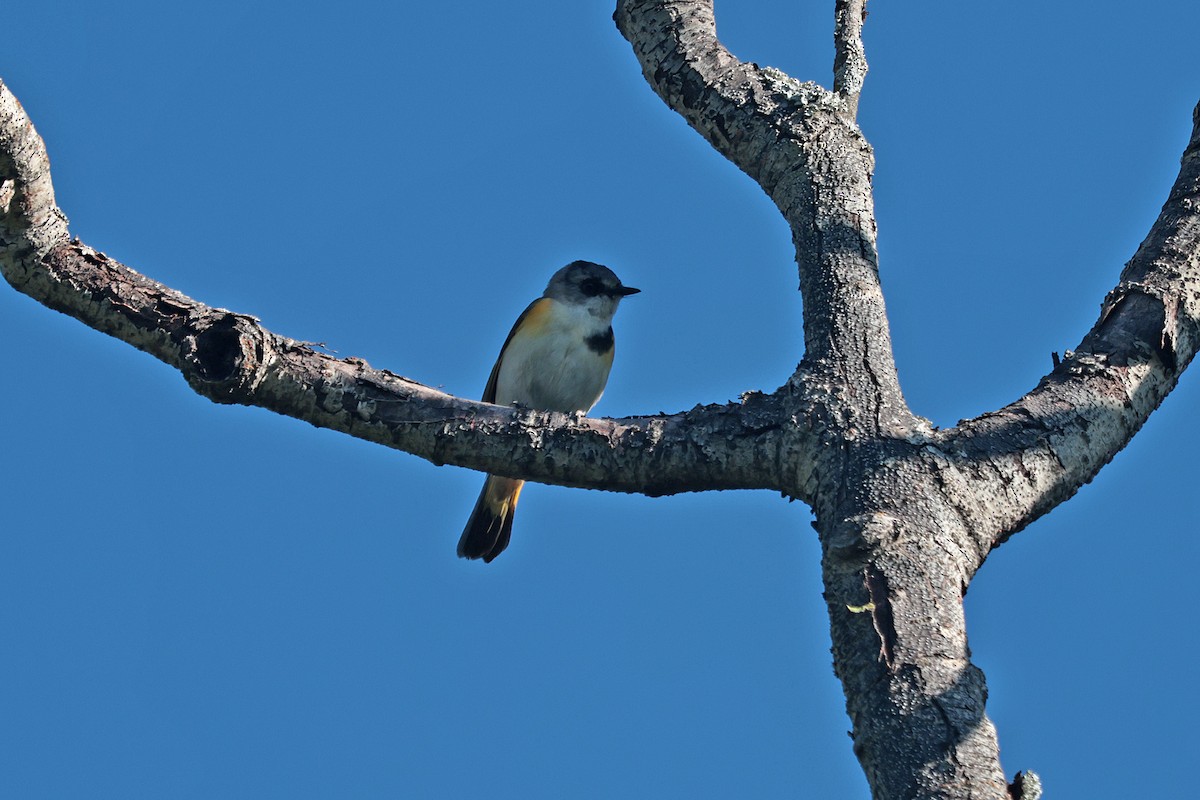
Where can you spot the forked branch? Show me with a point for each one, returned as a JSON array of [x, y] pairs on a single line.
[[796, 141]]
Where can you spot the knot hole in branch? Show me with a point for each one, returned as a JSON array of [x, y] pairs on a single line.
[[224, 357]]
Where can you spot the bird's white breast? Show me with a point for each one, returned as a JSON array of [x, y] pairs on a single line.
[[548, 364]]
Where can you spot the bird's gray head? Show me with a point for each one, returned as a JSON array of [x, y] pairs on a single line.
[[587, 284]]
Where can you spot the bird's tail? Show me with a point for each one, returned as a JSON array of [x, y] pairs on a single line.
[[490, 525]]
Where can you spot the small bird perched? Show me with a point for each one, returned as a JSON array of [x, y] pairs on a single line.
[[557, 358]]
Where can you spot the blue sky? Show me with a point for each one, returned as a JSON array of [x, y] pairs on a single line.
[[201, 601]]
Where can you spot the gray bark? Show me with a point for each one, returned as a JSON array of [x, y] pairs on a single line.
[[906, 514]]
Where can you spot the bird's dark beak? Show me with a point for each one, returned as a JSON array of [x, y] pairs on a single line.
[[625, 291]]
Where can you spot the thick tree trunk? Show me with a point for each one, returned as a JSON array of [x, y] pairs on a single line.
[[895, 573]]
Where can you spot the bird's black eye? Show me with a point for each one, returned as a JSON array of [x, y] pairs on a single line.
[[591, 287]]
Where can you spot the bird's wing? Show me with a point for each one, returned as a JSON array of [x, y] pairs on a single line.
[[533, 313]]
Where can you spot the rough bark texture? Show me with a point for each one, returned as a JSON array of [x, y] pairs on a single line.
[[906, 514]]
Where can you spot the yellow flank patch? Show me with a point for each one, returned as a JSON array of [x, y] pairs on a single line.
[[535, 318]]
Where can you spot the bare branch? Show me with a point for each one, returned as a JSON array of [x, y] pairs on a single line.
[[850, 59], [1035, 453], [796, 141], [231, 358], [30, 222], [905, 515]]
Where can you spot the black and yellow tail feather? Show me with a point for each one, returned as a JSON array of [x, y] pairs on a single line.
[[490, 526]]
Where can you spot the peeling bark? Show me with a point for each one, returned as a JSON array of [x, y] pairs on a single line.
[[906, 514]]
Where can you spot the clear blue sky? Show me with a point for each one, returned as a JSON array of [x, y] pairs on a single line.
[[201, 601]]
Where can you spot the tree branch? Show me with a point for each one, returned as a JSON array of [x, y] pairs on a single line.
[[1035, 453], [795, 140], [231, 358], [850, 59], [30, 222], [905, 514]]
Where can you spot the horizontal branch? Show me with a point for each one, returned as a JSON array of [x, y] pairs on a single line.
[[1035, 453], [231, 358]]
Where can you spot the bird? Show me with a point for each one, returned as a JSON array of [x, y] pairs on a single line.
[[556, 358]]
